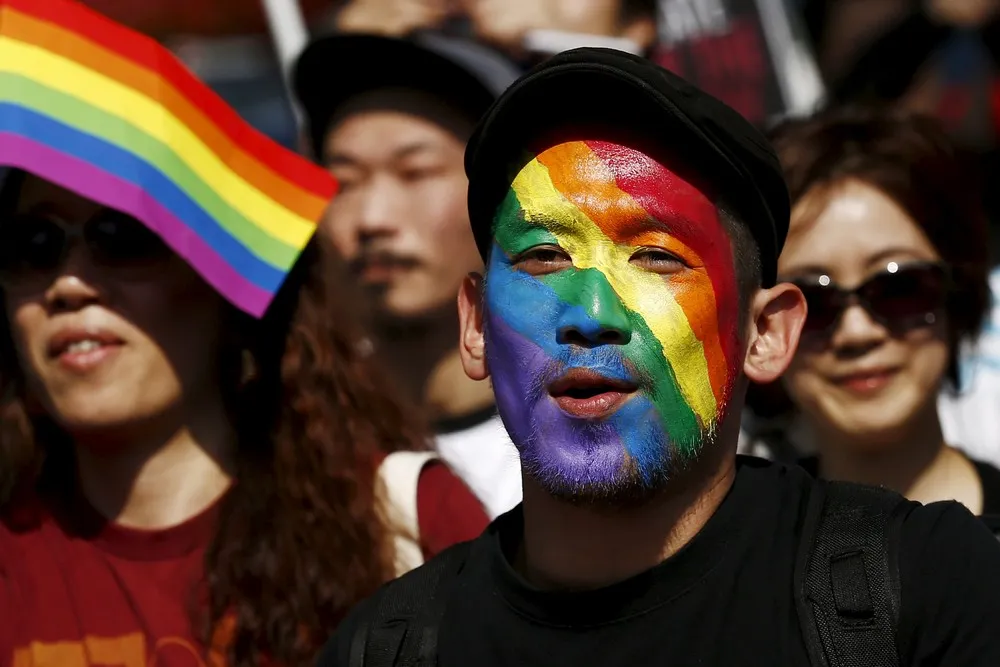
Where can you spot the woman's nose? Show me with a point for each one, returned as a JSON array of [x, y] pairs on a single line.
[[74, 284], [857, 331]]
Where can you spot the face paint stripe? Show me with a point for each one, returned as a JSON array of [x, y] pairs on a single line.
[[678, 418], [508, 291], [701, 312], [712, 245], [591, 248]]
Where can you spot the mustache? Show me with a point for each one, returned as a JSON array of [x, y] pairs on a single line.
[[386, 258], [606, 361]]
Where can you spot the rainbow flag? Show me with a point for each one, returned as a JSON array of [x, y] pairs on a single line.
[[113, 116]]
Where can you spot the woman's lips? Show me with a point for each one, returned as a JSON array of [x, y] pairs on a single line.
[[867, 382], [82, 351], [589, 395], [86, 361]]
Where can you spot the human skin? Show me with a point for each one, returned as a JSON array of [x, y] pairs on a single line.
[[606, 260], [145, 409], [400, 218], [865, 385], [155, 365]]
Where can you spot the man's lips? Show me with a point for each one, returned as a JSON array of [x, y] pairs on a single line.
[[589, 395]]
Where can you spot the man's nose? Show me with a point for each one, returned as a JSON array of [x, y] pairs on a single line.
[[598, 316], [380, 210]]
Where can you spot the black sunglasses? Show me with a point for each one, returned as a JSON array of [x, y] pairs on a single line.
[[33, 247], [901, 295]]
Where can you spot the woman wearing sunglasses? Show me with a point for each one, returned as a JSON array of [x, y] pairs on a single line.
[[176, 476], [889, 246]]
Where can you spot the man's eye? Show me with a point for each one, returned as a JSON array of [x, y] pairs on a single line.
[[346, 180], [657, 261], [539, 261], [414, 173]]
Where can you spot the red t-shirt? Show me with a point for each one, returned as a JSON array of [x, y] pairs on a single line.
[[79, 591]]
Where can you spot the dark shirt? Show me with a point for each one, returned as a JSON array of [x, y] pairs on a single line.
[[79, 591], [725, 599], [989, 480]]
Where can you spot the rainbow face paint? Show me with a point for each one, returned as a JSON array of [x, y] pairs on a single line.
[[606, 262]]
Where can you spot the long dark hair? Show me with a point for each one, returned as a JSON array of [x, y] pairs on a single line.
[[301, 536]]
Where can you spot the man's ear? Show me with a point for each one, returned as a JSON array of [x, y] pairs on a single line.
[[471, 342], [777, 315]]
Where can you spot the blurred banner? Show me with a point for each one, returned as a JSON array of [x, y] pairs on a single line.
[[527, 30], [198, 17], [752, 54]]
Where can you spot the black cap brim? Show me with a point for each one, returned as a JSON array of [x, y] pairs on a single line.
[[334, 69], [600, 93]]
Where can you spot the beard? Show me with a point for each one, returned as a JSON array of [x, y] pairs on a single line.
[[620, 460], [631, 485]]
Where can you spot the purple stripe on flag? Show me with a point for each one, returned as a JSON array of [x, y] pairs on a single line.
[[100, 186]]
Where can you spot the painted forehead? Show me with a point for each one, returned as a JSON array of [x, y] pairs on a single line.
[[623, 191]]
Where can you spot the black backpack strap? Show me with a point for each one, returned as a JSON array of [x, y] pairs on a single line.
[[992, 522], [847, 575], [403, 629]]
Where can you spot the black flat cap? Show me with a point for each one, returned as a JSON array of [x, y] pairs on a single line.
[[336, 68], [592, 93]]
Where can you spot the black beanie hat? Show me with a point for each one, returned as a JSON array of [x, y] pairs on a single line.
[[591, 90]]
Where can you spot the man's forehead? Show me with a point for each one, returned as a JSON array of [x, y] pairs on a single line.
[[622, 189], [419, 107]]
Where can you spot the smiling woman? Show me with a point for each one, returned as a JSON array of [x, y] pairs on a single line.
[[889, 247], [199, 462], [149, 430]]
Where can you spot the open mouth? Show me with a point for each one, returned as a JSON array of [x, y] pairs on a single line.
[[82, 351], [588, 395]]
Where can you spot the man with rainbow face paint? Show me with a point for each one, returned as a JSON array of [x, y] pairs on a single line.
[[630, 226]]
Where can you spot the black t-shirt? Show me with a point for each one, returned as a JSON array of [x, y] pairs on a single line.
[[725, 599], [989, 480]]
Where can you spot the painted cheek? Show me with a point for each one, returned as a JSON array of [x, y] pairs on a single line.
[[521, 301], [521, 319], [694, 292]]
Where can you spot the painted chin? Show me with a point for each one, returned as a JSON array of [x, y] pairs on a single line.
[[572, 452]]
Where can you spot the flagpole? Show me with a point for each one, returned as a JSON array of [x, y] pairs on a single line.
[[290, 35]]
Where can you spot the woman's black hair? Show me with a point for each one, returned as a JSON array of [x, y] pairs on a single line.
[[11, 181]]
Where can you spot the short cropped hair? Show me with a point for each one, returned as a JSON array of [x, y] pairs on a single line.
[[746, 257]]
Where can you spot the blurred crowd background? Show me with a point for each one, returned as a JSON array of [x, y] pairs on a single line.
[[765, 57], [769, 59]]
